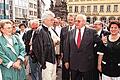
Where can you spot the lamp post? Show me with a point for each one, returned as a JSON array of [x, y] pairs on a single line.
[[4, 10]]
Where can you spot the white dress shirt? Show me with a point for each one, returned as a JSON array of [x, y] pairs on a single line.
[[82, 32]]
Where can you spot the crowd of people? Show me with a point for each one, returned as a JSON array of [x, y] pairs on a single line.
[[36, 51]]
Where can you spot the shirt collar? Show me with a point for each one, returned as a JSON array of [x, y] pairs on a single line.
[[45, 27], [99, 32]]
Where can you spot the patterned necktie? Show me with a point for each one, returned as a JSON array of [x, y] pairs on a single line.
[[79, 39]]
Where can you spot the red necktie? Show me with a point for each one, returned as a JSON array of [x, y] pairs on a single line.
[[79, 39]]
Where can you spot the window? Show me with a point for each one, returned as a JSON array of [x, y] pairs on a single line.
[[88, 8], [70, 9], [10, 7], [108, 8], [115, 8], [10, 2], [35, 13], [24, 11], [31, 12], [82, 9], [35, 6], [76, 8], [30, 5], [20, 12], [102, 8], [16, 11], [95, 9]]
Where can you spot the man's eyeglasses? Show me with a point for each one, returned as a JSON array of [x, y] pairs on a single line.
[[78, 21]]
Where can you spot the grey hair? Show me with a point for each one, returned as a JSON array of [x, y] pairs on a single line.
[[81, 16], [46, 14]]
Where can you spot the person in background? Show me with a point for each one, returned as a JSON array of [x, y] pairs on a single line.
[[98, 26], [63, 36], [63, 23], [27, 38], [12, 52], [58, 27], [109, 61], [22, 30], [43, 47]]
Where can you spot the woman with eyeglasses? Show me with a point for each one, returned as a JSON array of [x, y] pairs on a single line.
[[109, 62], [12, 53]]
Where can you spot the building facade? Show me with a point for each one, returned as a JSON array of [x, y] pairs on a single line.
[[104, 10], [22, 10], [32, 7], [4, 9], [18, 10]]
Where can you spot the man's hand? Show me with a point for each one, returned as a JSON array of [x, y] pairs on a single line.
[[66, 65]]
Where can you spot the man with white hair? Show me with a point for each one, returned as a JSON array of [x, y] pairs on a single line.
[[79, 50], [27, 38], [43, 47]]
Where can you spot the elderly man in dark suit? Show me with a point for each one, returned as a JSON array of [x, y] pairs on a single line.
[[79, 50]]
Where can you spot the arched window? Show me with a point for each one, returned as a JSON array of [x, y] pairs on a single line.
[[111, 19], [103, 19], [118, 19], [88, 19], [94, 19]]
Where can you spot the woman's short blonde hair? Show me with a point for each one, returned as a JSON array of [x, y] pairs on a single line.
[[3, 22]]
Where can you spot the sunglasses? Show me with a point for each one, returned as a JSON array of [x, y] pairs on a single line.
[[78, 21]]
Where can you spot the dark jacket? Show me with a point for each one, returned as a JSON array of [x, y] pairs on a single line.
[[26, 38], [63, 36], [43, 47]]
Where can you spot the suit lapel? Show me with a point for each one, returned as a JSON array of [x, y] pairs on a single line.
[[73, 33], [85, 37]]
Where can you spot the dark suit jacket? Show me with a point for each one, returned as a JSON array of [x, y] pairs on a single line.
[[82, 58], [63, 36], [26, 38]]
